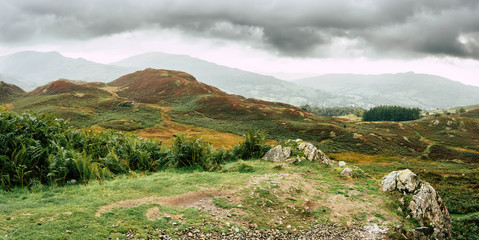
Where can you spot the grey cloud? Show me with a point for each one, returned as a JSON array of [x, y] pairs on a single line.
[[294, 28]]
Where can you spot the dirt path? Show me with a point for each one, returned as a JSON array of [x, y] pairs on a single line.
[[201, 200]]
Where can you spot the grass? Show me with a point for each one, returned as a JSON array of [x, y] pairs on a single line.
[[258, 197]]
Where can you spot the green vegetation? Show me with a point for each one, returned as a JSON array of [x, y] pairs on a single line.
[[164, 202], [334, 111], [460, 110], [391, 113], [40, 149]]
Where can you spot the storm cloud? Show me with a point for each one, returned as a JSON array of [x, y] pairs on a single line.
[[291, 28]]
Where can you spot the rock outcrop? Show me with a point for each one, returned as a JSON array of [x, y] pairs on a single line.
[[347, 172], [426, 205], [312, 153], [277, 154], [307, 151]]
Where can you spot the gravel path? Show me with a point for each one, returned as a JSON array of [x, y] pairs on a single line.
[[325, 232]]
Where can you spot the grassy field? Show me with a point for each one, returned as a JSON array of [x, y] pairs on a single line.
[[264, 194]]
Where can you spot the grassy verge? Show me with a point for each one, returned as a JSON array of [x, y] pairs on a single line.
[[289, 198]]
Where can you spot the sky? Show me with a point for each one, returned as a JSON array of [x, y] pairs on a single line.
[[284, 38]]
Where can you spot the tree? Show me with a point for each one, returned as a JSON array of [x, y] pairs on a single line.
[[460, 110]]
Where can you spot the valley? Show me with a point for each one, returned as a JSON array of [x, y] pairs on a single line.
[[162, 104]]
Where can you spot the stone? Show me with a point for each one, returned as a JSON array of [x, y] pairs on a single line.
[[426, 205], [342, 163], [347, 172], [428, 208], [389, 182], [277, 154], [407, 181], [312, 153], [404, 181]]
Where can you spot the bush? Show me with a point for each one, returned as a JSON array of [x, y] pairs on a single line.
[[38, 148], [189, 151], [41, 148], [254, 146]]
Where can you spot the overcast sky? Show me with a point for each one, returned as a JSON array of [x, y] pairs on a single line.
[[288, 39]]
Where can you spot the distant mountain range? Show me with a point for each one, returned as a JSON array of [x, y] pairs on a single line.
[[32, 69], [405, 89], [8, 91]]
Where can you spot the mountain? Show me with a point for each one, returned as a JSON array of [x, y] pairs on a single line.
[[18, 82], [7, 91], [405, 89], [33, 69], [231, 80]]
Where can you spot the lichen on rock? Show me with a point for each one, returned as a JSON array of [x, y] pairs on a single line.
[[426, 205]]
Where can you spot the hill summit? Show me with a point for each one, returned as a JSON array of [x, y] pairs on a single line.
[[175, 88]]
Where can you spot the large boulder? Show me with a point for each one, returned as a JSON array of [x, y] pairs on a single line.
[[404, 181], [277, 154], [429, 209], [426, 205]]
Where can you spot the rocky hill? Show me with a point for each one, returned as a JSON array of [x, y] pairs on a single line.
[[8, 91]]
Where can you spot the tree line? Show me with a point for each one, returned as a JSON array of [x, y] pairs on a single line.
[[391, 113]]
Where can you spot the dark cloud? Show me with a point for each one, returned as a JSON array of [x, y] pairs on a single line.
[[294, 28]]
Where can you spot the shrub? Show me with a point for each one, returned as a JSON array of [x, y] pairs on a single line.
[[41, 148], [254, 146], [189, 151]]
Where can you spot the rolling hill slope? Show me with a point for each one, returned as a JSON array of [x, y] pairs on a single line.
[[405, 89], [231, 80], [151, 101]]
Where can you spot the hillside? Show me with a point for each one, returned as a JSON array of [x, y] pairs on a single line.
[[162, 104], [32, 69], [405, 89], [8, 91], [235, 81], [151, 101]]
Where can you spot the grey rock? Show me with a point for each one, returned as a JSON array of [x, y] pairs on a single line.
[[347, 172], [389, 182], [312, 153], [341, 163], [277, 154], [404, 180], [426, 206], [407, 181]]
